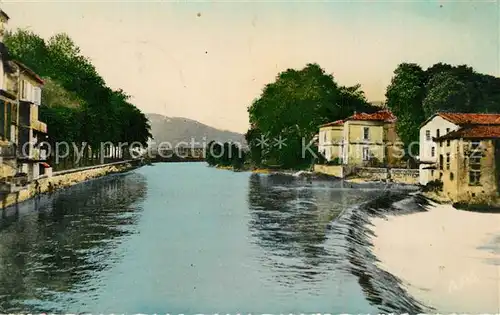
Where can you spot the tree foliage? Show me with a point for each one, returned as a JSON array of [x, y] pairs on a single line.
[[77, 104], [414, 94], [225, 154], [404, 97], [291, 109]]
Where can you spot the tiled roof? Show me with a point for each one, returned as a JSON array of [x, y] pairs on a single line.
[[474, 132], [471, 118], [333, 123], [381, 115]]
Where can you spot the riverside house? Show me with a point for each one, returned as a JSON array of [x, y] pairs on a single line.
[[21, 132], [469, 164], [438, 125], [361, 140]]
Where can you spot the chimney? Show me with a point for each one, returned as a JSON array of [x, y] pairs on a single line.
[[4, 18]]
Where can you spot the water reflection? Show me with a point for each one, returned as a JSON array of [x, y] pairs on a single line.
[[57, 249], [306, 239], [290, 221]]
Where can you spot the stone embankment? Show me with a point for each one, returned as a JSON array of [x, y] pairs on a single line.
[[64, 179]]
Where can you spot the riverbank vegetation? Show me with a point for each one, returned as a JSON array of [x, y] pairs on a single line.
[[287, 114], [77, 105], [225, 155], [415, 94]]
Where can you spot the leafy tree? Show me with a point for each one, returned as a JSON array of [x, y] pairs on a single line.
[[291, 109], [404, 98], [445, 92], [78, 105]]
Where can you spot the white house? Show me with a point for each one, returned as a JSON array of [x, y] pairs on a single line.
[[439, 125]]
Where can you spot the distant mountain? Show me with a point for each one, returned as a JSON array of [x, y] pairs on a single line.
[[178, 129]]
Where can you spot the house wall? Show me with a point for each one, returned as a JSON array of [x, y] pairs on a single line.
[[330, 142], [425, 145], [456, 185], [30, 90], [354, 132]]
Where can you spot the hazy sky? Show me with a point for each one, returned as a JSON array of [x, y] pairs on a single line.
[[209, 60]]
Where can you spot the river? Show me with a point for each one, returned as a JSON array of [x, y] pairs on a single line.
[[183, 238]]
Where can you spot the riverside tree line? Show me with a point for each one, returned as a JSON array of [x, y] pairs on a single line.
[[77, 105], [298, 101]]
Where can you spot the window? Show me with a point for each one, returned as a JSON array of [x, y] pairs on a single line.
[[2, 119], [441, 162], [366, 133], [448, 161], [474, 169], [366, 153], [447, 143], [25, 87], [8, 121], [447, 130], [37, 95], [474, 178], [433, 151], [428, 135], [475, 149], [451, 176], [324, 136], [474, 145], [437, 133], [432, 173]]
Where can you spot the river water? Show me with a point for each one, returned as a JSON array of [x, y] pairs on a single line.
[[185, 238]]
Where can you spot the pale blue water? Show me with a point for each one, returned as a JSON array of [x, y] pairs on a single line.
[[184, 238]]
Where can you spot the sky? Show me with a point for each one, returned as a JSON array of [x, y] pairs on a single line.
[[208, 60]]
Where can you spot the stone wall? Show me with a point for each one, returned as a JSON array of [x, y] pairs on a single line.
[[404, 176], [372, 173], [64, 179], [333, 170]]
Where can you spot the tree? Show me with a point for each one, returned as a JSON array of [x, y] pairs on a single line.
[[78, 106], [445, 92], [288, 112], [404, 98]]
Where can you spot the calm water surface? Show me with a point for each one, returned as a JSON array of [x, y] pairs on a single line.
[[185, 238]]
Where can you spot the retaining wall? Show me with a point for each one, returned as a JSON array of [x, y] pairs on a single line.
[[64, 179]]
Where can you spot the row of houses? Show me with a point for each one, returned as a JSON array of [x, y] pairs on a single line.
[[23, 151], [459, 150]]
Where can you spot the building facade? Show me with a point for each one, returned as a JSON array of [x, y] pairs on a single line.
[[438, 125], [362, 140], [32, 147], [469, 164], [330, 140], [21, 132]]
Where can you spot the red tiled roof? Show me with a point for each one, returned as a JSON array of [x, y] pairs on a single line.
[[381, 115], [471, 118], [333, 123], [474, 132]]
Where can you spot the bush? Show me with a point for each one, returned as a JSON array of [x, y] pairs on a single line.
[[434, 186]]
